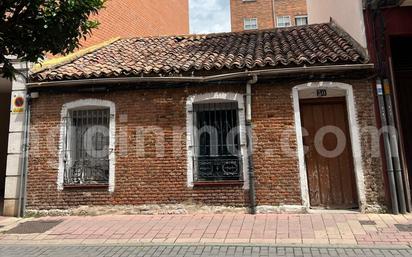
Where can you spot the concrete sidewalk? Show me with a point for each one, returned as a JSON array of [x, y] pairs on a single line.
[[268, 229]]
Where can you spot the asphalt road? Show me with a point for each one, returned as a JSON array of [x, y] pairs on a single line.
[[198, 251]]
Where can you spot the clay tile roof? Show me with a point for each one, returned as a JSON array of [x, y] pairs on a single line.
[[319, 44]]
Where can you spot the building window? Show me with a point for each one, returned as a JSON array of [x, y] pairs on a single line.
[[250, 23], [283, 21], [217, 144], [301, 20], [87, 148], [87, 144], [216, 139]]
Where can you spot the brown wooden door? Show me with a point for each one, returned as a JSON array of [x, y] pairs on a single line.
[[330, 177]]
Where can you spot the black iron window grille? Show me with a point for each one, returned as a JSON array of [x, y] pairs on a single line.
[[87, 152], [216, 142]]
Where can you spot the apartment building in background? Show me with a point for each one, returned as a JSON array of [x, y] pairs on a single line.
[[267, 14]]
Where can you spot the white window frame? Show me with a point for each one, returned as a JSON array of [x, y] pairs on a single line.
[[80, 105], [249, 26], [215, 97], [301, 17], [278, 18]]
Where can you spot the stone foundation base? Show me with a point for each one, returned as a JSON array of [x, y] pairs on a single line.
[[266, 209], [175, 209], [375, 208], [153, 209]]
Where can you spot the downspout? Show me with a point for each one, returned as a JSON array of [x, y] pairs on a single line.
[[396, 180], [274, 14], [393, 137], [24, 163], [249, 136], [388, 151]]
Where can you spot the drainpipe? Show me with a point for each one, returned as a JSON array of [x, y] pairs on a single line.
[[24, 162], [274, 14], [388, 152], [249, 136], [393, 137]]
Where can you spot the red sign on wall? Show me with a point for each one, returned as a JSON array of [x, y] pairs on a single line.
[[18, 102]]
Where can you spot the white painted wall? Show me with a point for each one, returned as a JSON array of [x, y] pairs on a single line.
[[346, 13], [14, 149]]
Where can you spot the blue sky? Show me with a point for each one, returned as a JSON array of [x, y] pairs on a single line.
[[207, 16]]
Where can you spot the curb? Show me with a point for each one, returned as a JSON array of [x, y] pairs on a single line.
[[61, 244]]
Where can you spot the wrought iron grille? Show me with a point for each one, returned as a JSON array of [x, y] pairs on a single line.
[[87, 147], [217, 144], [218, 168]]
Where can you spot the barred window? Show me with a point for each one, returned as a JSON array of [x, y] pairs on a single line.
[[86, 160], [217, 145]]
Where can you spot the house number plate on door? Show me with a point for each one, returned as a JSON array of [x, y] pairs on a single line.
[[321, 92]]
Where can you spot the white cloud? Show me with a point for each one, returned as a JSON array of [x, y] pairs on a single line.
[[208, 16]]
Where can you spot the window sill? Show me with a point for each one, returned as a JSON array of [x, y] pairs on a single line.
[[87, 186], [218, 183]]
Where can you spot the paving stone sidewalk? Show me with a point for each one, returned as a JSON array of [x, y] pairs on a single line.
[[199, 251], [6, 221], [269, 229]]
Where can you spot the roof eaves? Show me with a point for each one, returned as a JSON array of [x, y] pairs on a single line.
[[358, 47], [60, 61]]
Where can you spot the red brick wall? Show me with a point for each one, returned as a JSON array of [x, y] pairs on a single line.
[[277, 175], [260, 9], [131, 18], [266, 11], [151, 179], [290, 8], [372, 165]]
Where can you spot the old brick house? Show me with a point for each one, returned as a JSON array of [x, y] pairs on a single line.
[[267, 14], [213, 119]]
